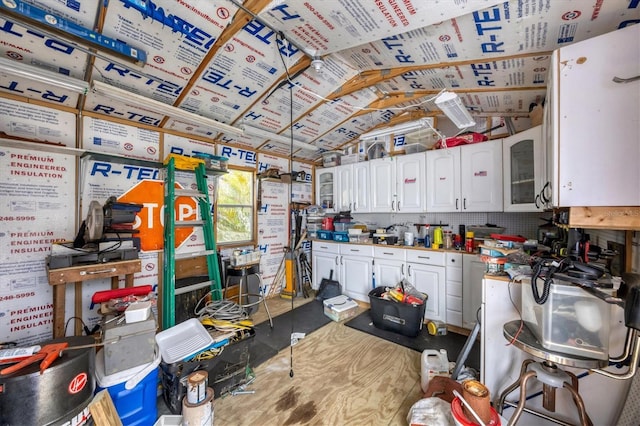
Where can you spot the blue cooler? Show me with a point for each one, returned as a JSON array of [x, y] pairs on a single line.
[[135, 406]]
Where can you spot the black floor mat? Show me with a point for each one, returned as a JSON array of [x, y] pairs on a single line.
[[452, 342], [269, 341]]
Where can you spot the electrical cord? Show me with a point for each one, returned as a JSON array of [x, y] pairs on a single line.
[[515, 306]]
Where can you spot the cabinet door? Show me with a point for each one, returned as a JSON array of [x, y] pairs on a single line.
[[326, 191], [356, 277], [388, 272], [411, 183], [481, 176], [344, 185], [322, 264], [431, 281], [360, 190], [473, 270], [383, 186], [443, 180], [597, 130], [523, 173]]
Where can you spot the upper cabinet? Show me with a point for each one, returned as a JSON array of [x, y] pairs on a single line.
[[593, 102], [326, 189], [523, 173], [398, 184], [465, 178]]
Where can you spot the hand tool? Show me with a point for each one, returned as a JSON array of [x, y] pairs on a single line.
[[47, 354]]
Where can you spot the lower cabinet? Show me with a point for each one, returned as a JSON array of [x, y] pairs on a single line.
[[454, 289], [426, 272], [325, 257], [388, 265], [473, 270], [356, 263]]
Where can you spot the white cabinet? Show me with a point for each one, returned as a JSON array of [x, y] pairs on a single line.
[[523, 171], [383, 186], [325, 257], [465, 178], [389, 265], [326, 189], [593, 134], [410, 183], [344, 188], [352, 266], [426, 272], [361, 200], [398, 184], [356, 264], [473, 270], [453, 289]]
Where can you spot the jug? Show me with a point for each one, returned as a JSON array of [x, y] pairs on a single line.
[[437, 237], [327, 224], [433, 363]]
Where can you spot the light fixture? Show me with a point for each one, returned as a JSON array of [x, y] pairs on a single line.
[[117, 94], [402, 128], [20, 69], [453, 108], [261, 133], [317, 63]]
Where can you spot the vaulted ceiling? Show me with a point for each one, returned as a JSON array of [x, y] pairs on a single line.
[[327, 71]]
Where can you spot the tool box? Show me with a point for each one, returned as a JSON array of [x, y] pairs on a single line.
[[340, 308], [128, 345], [226, 371]]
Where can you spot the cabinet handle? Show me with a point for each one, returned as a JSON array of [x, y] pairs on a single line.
[[341, 261], [402, 269], [409, 270], [393, 205], [626, 80], [424, 257], [337, 260], [464, 203], [457, 199], [398, 205]]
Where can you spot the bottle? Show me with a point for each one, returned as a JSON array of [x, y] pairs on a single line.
[[427, 238], [448, 240], [433, 363], [468, 245], [437, 237]]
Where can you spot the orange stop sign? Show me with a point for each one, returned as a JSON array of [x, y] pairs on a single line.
[[150, 220]]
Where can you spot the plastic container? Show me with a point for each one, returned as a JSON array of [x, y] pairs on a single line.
[[433, 363], [183, 340], [340, 308], [571, 320], [135, 406], [342, 226], [325, 235], [403, 318], [341, 237]]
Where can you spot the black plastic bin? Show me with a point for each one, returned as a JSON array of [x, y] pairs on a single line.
[[403, 318], [226, 372]]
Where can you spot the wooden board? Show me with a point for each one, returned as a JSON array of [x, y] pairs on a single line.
[[619, 218], [103, 411], [92, 272]]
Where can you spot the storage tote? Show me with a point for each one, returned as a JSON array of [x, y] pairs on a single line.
[[403, 318]]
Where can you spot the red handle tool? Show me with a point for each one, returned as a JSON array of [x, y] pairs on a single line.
[[47, 354]]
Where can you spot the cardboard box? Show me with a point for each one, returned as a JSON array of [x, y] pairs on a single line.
[[340, 308]]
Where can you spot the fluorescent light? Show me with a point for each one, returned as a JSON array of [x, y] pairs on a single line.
[[20, 69], [117, 94], [261, 133], [451, 105], [402, 128]]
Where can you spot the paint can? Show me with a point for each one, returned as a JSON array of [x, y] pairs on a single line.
[[197, 386], [200, 414]]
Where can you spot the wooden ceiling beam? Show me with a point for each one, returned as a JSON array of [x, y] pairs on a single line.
[[370, 78]]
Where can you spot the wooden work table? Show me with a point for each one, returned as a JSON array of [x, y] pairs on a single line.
[[78, 274]]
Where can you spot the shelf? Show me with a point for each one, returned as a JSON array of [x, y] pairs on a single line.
[[522, 181], [618, 218]]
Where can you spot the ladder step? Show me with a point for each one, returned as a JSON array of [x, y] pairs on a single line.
[[192, 287], [186, 223], [188, 193], [194, 254]]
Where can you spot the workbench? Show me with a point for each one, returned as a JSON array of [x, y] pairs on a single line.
[[59, 278]]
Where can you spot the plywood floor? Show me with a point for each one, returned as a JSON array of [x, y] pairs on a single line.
[[341, 376]]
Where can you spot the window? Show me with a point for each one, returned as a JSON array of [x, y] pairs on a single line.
[[235, 207]]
